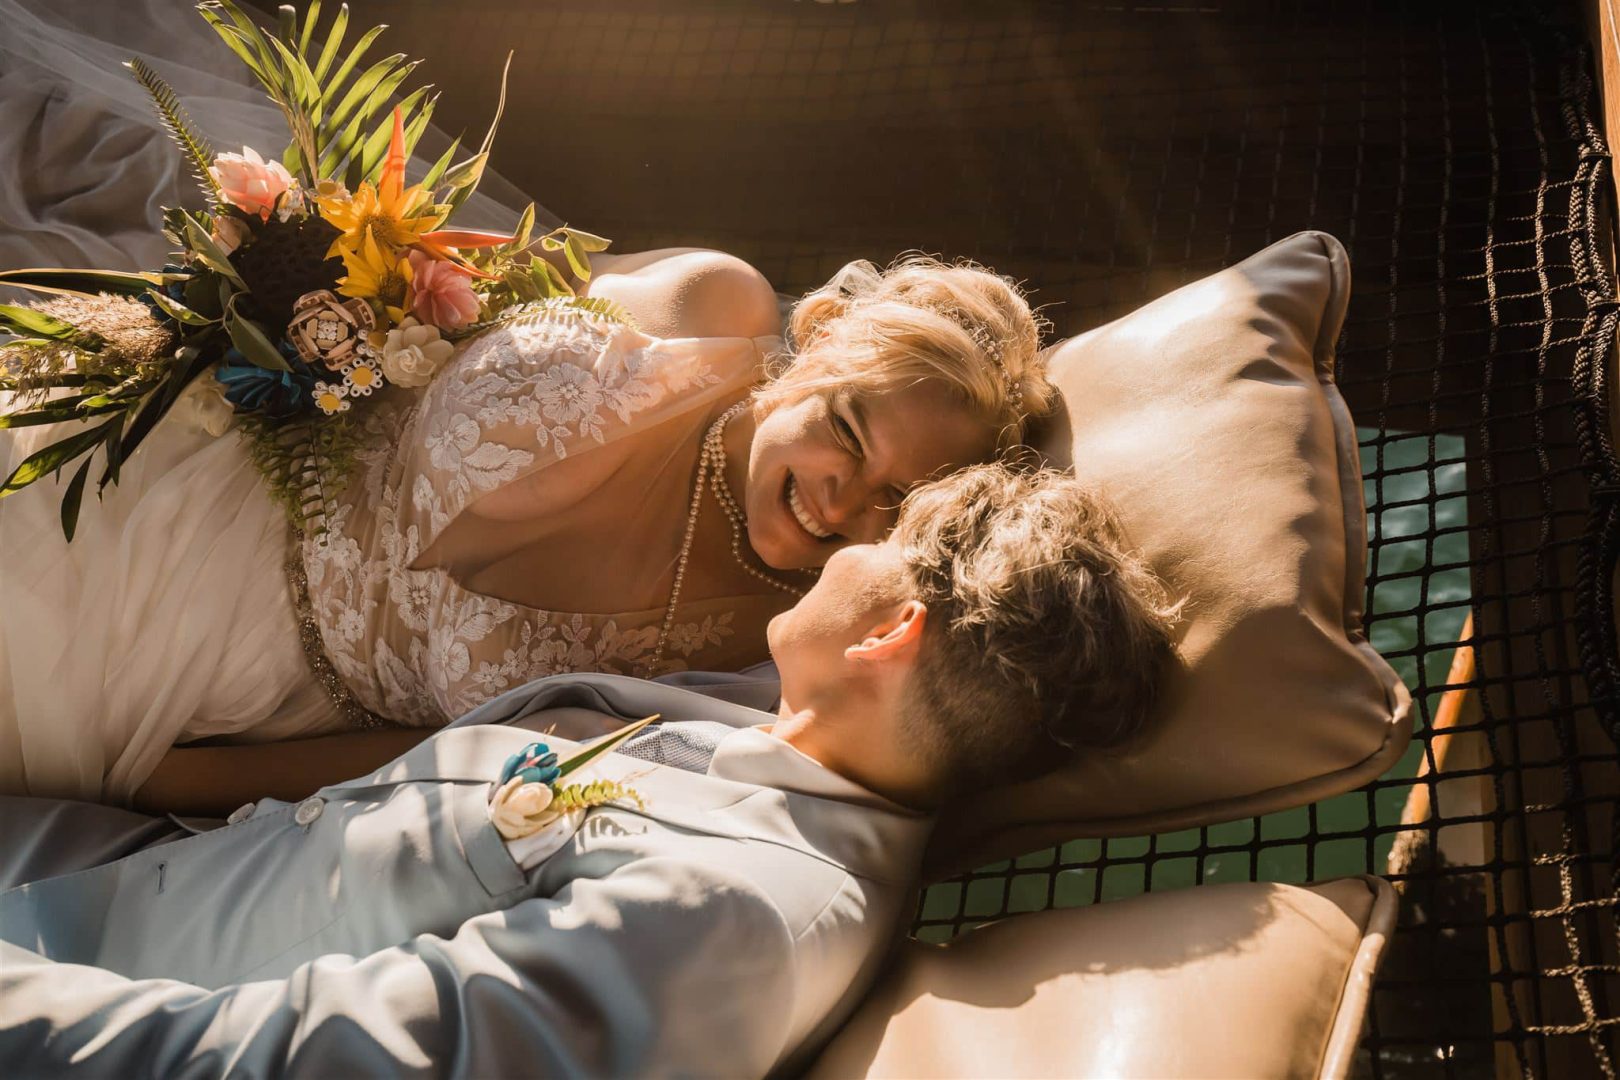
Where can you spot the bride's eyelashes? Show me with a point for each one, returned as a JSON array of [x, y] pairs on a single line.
[[845, 433], [846, 436]]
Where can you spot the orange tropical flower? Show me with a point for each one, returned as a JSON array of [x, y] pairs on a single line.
[[390, 213]]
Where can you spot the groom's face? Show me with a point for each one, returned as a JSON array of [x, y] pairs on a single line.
[[860, 591]]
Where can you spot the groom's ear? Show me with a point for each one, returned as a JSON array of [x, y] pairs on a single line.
[[896, 638]]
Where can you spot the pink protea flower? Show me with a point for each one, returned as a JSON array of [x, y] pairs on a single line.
[[250, 183], [441, 293]]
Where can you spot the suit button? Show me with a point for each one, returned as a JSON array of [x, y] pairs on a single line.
[[240, 814], [309, 810]]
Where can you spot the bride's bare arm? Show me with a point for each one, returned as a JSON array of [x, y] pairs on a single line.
[[211, 781]]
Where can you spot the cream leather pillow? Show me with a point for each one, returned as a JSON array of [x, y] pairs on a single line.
[[1211, 420], [1218, 981]]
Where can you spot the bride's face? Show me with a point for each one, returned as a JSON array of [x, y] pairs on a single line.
[[832, 469]]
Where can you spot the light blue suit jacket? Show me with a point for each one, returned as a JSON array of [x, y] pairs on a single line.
[[724, 930]]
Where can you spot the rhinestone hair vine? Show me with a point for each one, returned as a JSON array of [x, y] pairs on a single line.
[[992, 346]]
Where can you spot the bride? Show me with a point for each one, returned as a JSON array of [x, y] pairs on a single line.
[[569, 493]]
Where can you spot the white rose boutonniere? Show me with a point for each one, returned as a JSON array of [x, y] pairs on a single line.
[[527, 797], [413, 353], [520, 808]]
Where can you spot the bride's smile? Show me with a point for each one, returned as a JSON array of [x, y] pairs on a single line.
[[831, 469]]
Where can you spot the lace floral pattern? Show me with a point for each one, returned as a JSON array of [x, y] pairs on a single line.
[[414, 646]]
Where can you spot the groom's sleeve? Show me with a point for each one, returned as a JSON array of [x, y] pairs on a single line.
[[660, 968]]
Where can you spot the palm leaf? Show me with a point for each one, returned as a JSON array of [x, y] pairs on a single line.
[[334, 40], [178, 124], [85, 282], [338, 145], [24, 321], [52, 458], [376, 147], [311, 17], [335, 84], [71, 500]]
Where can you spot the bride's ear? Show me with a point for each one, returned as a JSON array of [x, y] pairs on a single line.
[[898, 637]]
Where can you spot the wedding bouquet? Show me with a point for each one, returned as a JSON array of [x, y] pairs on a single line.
[[306, 285]]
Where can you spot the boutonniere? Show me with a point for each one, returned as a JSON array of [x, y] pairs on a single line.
[[528, 797]]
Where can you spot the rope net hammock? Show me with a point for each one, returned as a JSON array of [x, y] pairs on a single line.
[[1106, 153]]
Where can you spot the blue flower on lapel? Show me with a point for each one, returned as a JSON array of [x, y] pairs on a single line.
[[534, 764]]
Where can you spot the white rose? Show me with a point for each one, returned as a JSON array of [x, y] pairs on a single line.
[[413, 353], [203, 407], [519, 809]]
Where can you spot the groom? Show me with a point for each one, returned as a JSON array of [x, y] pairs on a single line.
[[385, 927]]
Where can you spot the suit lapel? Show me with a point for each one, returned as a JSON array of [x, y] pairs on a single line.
[[868, 842]]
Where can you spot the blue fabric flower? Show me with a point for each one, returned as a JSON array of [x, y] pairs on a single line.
[[534, 764], [174, 290], [277, 394]]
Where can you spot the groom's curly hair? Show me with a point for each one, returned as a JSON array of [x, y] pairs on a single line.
[[1045, 635]]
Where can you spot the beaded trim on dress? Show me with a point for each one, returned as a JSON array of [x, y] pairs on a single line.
[[309, 636]]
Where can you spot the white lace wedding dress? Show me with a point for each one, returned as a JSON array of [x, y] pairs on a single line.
[[171, 617]]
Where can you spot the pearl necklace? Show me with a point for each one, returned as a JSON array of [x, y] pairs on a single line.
[[711, 468]]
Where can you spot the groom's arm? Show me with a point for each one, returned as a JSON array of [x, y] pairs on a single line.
[[660, 968]]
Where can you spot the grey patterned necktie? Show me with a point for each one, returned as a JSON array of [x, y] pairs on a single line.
[[681, 744]]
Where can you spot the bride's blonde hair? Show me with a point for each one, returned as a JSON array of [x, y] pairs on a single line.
[[871, 330]]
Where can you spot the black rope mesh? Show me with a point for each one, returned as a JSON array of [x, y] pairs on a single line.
[[1108, 152]]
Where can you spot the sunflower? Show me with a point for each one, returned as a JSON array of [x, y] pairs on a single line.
[[379, 275], [392, 214], [395, 221]]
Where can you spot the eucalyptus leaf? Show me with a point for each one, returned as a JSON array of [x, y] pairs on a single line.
[[468, 172], [253, 342], [525, 227], [578, 261], [178, 311], [588, 241], [548, 278], [524, 289], [211, 254]]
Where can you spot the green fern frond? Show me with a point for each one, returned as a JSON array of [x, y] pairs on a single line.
[[305, 466], [592, 306], [582, 796], [178, 123]]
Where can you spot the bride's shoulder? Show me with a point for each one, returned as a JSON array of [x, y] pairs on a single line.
[[592, 351]]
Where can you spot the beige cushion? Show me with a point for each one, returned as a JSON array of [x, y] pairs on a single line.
[[1211, 419], [1217, 981]]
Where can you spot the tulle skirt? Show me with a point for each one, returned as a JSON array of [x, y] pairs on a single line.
[[168, 618]]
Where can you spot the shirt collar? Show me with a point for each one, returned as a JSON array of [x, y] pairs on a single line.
[[752, 755]]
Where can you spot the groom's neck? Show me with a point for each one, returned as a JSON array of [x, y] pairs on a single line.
[[860, 742]]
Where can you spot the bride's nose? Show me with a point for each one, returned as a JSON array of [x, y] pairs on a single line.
[[852, 507]]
